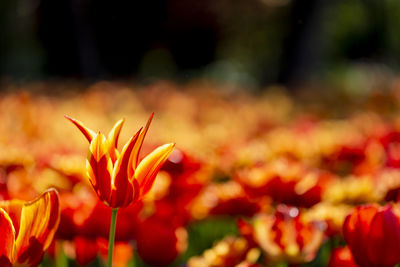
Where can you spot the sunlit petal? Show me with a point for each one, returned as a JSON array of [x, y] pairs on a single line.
[[122, 188], [99, 167], [113, 137], [89, 134], [13, 209], [148, 168], [139, 143], [7, 240], [39, 222]]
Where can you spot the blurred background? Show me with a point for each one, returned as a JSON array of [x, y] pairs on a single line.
[[253, 43], [284, 113]]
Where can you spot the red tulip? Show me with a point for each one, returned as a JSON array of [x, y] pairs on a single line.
[[342, 257], [373, 235], [159, 242], [285, 181]]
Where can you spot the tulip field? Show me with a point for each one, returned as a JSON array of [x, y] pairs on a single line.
[[197, 175]]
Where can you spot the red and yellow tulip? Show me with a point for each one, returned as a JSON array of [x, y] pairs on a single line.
[[28, 228], [118, 177], [283, 236]]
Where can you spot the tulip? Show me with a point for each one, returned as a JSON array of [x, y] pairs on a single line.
[[28, 228], [159, 242], [228, 252], [117, 177], [284, 236], [342, 257], [373, 235], [285, 181]]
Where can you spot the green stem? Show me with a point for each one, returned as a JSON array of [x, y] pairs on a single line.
[[112, 237]]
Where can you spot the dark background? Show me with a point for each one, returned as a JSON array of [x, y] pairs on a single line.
[[248, 42]]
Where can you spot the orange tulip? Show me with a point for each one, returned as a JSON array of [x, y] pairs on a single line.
[[118, 178], [28, 228]]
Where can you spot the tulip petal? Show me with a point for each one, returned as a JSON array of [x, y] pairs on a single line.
[[266, 238], [122, 188], [13, 209], [384, 239], [39, 222], [99, 167], [7, 240], [148, 168], [139, 143], [113, 137], [355, 230], [89, 134]]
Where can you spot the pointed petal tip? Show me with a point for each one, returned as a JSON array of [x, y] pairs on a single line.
[[84, 130], [69, 118], [120, 121], [51, 190], [171, 146], [149, 120]]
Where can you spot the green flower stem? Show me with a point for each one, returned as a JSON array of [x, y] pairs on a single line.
[[112, 237]]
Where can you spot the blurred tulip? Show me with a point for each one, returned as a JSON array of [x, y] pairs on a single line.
[[284, 236], [351, 190], [342, 257], [119, 178], [83, 215], [28, 228], [159, 242], [332, 215], [228, 252], [285, 181], [85, 250], [391, 144], [188, 177], [373, 235], [226, 198]]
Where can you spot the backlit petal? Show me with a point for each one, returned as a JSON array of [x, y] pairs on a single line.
[[7, 240], [113, 137], [13, 209], [89, 134], [122, 188], [148, 168], [39, 222], [139, 143], [99, 167], [114, 133]]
